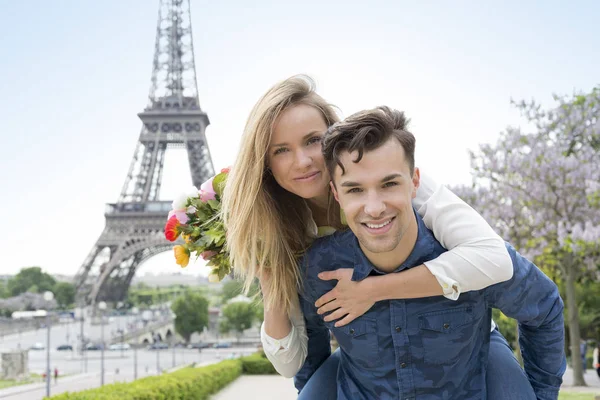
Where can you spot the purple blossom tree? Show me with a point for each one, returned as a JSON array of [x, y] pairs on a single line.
[[541, 190]]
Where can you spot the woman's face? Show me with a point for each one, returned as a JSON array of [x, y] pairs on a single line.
[[294, 154]]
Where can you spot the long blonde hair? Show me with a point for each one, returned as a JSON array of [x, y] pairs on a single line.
[[267, 225]]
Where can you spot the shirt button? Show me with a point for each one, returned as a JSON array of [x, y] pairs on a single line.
[[403, 365], [352, 331], [398, 329], [446, 326]]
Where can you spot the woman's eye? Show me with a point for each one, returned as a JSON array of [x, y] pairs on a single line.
[[314, 139], [279, 150]]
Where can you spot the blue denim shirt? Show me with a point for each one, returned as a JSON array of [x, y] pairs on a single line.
[[430, 348]]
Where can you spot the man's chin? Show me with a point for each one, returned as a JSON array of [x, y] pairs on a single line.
[[376, 247]]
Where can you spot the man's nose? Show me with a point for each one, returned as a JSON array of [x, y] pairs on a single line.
[[374, 206]]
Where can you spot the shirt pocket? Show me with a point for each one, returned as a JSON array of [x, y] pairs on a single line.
[[447, 334], [359, 340]]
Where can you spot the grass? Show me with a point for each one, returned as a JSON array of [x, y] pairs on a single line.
[[577, 396], [11, 382]]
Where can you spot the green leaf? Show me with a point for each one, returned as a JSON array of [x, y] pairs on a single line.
[[219, 183]]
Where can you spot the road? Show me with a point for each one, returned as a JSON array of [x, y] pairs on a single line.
[[147, 365]]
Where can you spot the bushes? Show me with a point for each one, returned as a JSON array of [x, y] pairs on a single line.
[[186, 383], [257, 364]]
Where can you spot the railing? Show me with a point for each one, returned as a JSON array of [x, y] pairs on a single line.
[[157, 207]]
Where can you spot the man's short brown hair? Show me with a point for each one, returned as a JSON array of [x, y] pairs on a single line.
[[366, 131]]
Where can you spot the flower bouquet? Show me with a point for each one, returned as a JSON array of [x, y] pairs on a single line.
[[196, 216]]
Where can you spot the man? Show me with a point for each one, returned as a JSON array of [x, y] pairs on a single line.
[[430, 348]]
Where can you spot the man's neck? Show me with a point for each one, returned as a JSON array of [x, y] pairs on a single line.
[[388, 262]]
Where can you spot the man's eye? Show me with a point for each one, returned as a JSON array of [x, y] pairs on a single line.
[[354, 190], [390, 184]]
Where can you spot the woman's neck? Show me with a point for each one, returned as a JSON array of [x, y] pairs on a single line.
[[324, 211]]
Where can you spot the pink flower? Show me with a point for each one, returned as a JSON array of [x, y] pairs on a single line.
[[180, 215], [207, 192], [225, 170], [207, 255]]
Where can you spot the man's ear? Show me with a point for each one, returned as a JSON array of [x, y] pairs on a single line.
[[335, 193], [416, 180]]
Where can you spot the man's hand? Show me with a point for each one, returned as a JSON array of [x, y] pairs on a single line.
[[349, 299]]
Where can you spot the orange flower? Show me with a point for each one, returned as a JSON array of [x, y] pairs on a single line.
[[171, 229], [182, 256]]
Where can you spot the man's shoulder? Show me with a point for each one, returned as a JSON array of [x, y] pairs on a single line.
[[343, 239], [328, 253]]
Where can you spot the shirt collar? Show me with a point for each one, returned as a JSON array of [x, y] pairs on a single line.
[[420, 253]]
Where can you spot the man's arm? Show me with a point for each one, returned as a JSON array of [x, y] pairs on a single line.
[[319, 347], [533, 300]]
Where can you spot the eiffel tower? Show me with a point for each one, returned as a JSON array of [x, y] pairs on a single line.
[[134, 229]]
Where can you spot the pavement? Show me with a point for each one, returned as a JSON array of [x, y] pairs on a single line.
[[258, 387]]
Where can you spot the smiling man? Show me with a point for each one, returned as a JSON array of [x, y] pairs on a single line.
[[428, 348]]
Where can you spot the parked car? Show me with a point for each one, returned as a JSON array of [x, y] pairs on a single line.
[[93, 347], [158, 346], [199, 345], [222, 345], [64, 347], [119, 346], [38, 346]]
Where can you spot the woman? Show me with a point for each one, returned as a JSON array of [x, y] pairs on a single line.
[[278, 195]]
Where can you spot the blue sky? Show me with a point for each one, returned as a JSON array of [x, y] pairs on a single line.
[[74, 74]]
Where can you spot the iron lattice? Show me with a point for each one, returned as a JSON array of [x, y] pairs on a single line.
[[134, 228]]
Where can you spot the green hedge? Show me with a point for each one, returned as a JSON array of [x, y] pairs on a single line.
[[186, 383], [257, 364]]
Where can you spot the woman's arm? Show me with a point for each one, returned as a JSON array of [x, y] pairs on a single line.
[[284, 338], [477, 258], [288, 353]]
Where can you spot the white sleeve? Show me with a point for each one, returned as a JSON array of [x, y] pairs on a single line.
[[476, 256], [288, 354]]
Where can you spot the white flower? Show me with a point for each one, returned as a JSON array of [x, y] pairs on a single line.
[[180, 201], [213, 278], [191, 210]]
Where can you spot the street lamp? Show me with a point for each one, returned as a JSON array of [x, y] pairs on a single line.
[[135, 311], [102, 308], [79, 312], [157, 348], [48, 297], [121, 330]]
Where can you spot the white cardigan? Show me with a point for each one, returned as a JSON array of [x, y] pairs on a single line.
[[476, 258]]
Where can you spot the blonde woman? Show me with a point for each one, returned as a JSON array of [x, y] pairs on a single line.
[[277, 200]]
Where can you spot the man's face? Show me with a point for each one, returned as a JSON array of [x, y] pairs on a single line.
[[376, 195]]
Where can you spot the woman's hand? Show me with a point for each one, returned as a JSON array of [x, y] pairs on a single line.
[[348, 300]]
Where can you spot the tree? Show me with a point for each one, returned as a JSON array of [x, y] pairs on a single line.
[[28, 278], [546, 184], [234, 287], [4, 293], [64, 293], [237, 316], [191, 312]]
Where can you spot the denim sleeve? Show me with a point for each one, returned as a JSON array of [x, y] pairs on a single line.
[[533, 300], [319, 347]]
